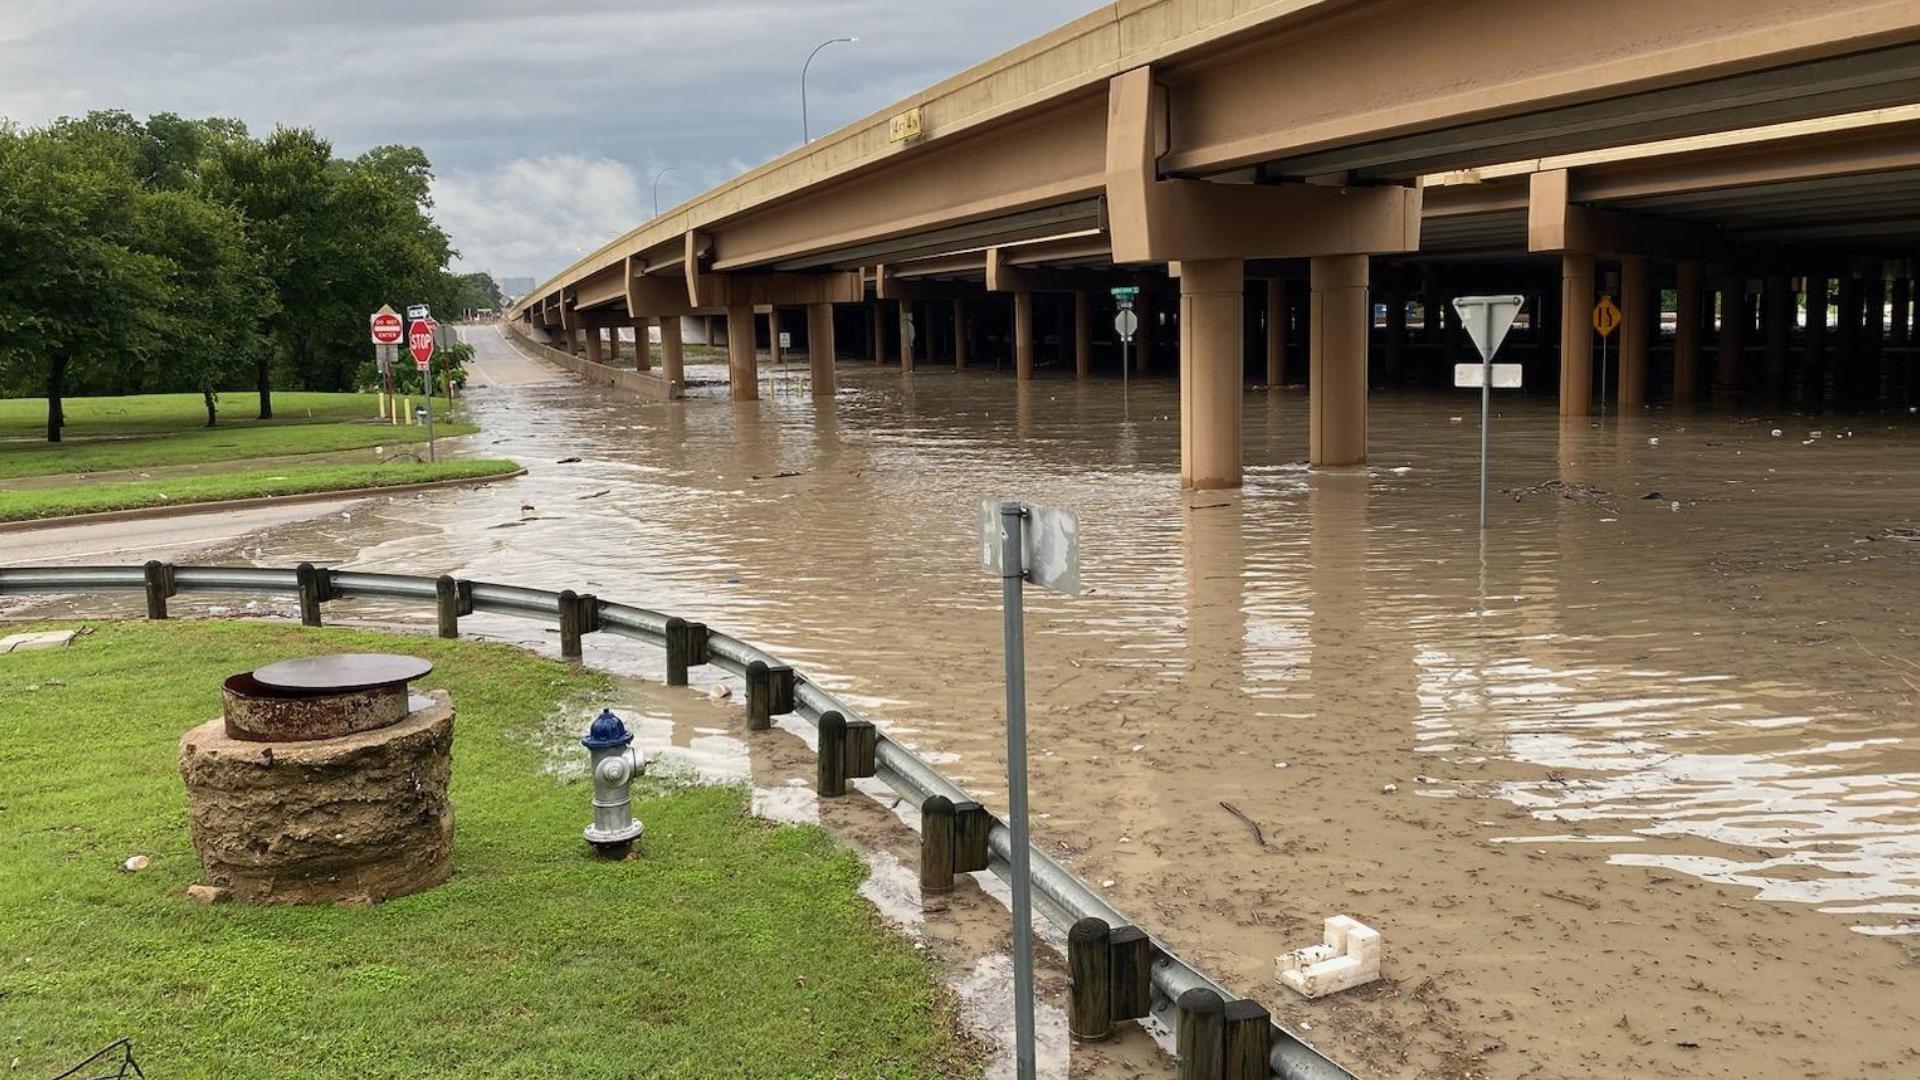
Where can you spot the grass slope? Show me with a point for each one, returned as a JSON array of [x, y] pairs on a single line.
[[731, 948], [202, 445], [42, 502]]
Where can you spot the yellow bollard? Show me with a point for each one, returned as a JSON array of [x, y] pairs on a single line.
[[406, 406]]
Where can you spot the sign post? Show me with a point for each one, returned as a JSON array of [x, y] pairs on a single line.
[[1125, 323], [1487, 320], [1606, 319], [420, 342], [1024, 543], [387, 331]]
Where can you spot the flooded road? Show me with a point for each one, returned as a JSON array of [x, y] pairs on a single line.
[[1632, 784]]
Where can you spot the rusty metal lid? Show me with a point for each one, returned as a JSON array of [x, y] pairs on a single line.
[[340, 672]]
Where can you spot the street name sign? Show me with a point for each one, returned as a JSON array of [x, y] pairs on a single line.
[[416, 312]]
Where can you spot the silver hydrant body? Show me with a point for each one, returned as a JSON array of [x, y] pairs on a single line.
[[615, 763]]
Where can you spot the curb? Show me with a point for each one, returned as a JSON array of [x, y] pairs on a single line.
[[184, 509]]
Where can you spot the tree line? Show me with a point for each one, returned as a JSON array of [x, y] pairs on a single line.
[[187, 255]]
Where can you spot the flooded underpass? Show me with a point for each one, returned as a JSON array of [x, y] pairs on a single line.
[[1632, 783]]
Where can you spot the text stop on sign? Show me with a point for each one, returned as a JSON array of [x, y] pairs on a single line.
[[420, 343]]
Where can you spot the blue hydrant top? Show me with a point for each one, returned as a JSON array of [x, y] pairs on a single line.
[[606, 733]]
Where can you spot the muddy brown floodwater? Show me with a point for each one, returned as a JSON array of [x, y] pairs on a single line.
[[1632, 785]]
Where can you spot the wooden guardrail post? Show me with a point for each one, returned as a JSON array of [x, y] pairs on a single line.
[[863, 745], [1200, 1037], [972, 823], [936, 845], [769, 693], [831, 777], [159, 577], [579, 615], [1249, 1040], [447, 607], [686, 646], [1131, 972], [1089, 971], [312, 582]]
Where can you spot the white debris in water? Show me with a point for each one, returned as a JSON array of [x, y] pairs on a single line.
[[1137, 747], [1674, 506], [1107, 884], [720, 691], [1655, 441], [1388, 789], [1777, 433], [1279, 764]]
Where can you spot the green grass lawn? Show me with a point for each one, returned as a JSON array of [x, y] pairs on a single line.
[[146, 414], [159, 430], [43, 502], [730, 948]]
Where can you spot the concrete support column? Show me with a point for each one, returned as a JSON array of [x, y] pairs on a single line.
[[573, 341], [1814, 363], [672, 358], [1082, 333], [820, 349], [1641, 311], [877, 332], [1338, 321], [1276, 333], [613, 345], [1848, 344], [1687, 317], [1212, 307], [743, 360], [1898, 331], [1393, 364], [1023, 335], [594, 354], [1873, 335], [1143, 341], [1576, 334], [1779, 312], [961, 336], [643, 342], [903, 325], [1733, 319]]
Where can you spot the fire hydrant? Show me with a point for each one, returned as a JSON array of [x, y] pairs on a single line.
[[615, 763]]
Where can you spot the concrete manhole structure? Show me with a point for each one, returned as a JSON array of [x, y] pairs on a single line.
[[324, 781]]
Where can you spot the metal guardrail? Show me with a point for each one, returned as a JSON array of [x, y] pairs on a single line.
[[1064, 898]]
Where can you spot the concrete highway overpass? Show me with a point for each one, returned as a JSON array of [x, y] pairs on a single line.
[[1268, 172]]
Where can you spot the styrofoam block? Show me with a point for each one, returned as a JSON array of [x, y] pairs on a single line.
[[46, 639], [1349, 957]]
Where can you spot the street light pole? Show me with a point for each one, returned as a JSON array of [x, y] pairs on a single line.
[[806, 132], [656, 189]]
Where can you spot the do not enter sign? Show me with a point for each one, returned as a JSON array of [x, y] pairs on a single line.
[[420, 343], [387, 328]]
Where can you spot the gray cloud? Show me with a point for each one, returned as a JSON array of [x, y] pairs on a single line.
[[545, 126]]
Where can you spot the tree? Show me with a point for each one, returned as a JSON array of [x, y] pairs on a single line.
[[79, 292], [210, 333]]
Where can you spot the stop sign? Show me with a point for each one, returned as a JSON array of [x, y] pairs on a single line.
[[387, 328], [420, 343]]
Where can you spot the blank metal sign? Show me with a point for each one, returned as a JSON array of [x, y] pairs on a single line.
[[1505, 376]]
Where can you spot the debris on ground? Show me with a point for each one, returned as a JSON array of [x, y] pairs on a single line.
[[1258, 836], [135, 864], [777, 476], [45, 639], [1582, 493], [568, 461], [1348, 956]]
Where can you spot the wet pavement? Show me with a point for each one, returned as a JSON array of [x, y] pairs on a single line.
[[1630, 784]]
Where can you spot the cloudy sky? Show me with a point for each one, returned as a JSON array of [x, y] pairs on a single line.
[[546, 122]]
